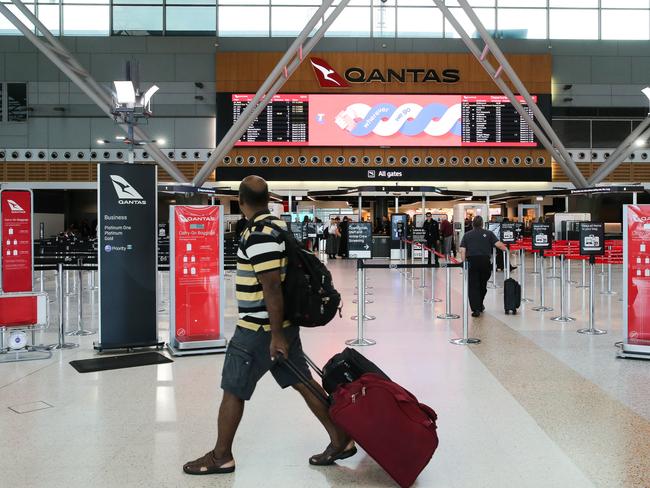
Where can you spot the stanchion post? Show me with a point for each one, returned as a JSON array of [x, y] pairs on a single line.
[[522, 275], [80, 330], [62, 344], [423, 274], [609, 290], [542, 306], [535, 261], [584, 275], [592, 303], [360, 340], [433, 298], [448, 315], [563, 317], [465, 340]]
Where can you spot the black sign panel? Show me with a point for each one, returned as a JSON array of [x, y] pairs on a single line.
[[519, 230], [419, 235], [542, 237], [296, 229], [310, 230], [592, 239], [508, 233], [360, 239], [127, 236], [398, 223]]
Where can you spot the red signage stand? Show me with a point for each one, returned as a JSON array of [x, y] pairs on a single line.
[[636, 281], [197, 294], [17, 247]]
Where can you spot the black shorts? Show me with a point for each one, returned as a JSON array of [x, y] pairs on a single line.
[[248, 359]]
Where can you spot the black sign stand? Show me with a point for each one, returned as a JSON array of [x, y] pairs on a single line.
[[127, 214], [592, 244]]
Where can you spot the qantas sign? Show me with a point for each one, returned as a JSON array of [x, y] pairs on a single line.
[[328, 77]]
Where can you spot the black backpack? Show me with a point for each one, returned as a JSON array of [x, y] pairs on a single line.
[[310, 299]]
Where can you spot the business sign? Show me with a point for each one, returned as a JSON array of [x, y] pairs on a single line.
[[592, 239], [542, 237], [636, 283], [17, 261], [127, 232], [508, 233], [360, 240], [196, 278]]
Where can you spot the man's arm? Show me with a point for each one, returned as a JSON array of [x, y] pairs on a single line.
[[462, 254], [501, 245], [274, 300]]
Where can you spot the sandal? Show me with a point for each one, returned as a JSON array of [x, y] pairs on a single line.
[[331, 455], [208, 464]]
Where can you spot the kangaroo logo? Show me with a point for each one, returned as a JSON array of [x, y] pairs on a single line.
[[124, 189], [15, 208], [326, 75]]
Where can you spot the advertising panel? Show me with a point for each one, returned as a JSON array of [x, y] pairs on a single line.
[[128, 255], [508, 233], [636, 236], [17, 243], [592, 239], [196, 277], [360, 240], [542, 237]]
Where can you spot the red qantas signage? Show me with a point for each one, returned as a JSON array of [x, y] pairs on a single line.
[[638, 274], [196, 279], [326, 75], [17, 247]]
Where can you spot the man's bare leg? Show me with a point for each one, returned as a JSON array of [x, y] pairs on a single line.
[[230, 415], [340, 441]]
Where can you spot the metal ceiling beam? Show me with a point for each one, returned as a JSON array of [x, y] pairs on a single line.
[[551, 142], [621, 153], [273, 83], [56, 52]]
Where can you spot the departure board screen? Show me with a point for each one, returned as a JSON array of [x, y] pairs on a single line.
[[386, 121]]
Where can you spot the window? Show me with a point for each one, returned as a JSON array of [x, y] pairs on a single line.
[[7, 28], [573, 24], [625, 24], [16, 102], [419, 22], [352, 22], [610, 133], [244, 21], [522, 23], [290, 21], [86, 20], [138, 19], [384, 19], [486, 15], [193, 19]]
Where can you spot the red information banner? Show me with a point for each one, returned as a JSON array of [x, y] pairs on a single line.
[[637, 243], [197, 273], [17, 246]]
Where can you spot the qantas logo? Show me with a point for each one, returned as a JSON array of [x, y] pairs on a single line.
[[126, 194], [326, 75], [15, 208], [182, 218]]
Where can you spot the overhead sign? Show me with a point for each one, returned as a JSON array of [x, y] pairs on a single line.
[[360, 240], [542, 237], [636, 269], [128, 255], [508, 233], [17, 261], [196, 273], [592, 238]]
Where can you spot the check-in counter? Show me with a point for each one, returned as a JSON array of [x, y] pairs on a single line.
[[380, 246]]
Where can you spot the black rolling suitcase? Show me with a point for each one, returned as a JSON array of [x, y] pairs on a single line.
[[511, 295], [346, 367]]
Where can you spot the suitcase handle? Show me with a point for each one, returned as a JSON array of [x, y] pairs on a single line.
[[282, 361]]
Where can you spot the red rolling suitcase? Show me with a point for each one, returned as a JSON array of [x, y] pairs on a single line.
[[387, 421]]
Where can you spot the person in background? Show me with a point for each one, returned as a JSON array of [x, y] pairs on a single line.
[[447, 234], [476, 248], [343, 245], [239, 227], [262, 334], [385, 225], [309, 245], [432, 236], [333, 238]]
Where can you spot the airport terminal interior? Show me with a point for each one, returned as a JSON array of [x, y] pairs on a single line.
[[471, 174]]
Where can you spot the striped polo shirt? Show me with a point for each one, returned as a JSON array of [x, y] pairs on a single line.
[[261, 249]]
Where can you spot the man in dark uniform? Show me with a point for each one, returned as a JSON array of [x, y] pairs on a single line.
[[476, 248], [432, 235]]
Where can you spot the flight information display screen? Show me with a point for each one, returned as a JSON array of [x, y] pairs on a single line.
[[386, 121]]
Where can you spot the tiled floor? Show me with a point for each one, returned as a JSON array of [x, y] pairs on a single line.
[[534, 405]]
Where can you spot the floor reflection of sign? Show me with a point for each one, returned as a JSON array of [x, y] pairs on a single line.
[[360, 240]]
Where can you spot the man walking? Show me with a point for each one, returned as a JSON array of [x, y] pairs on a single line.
[[476, 248], [432, 236], [447, 231], [261, 336]]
